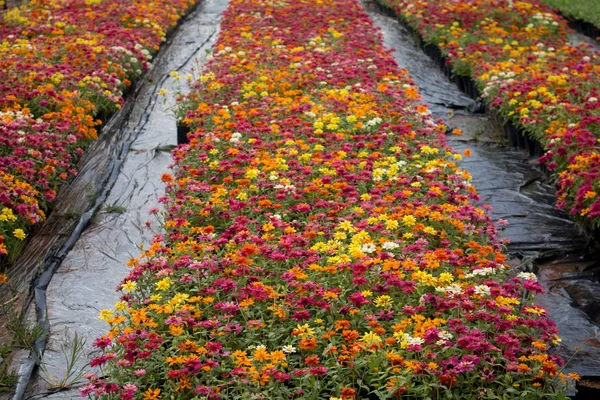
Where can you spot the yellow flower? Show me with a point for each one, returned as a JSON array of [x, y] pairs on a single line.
[[391, 224], [383, 301], [164, 283], [409, 220], [252, 173], [371, 338], [105, 314], [19, 234], [304, 330], [129, 286]]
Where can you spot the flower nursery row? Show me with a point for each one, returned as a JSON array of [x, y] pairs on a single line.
[[519, 55], [320, 241], [63, 65]]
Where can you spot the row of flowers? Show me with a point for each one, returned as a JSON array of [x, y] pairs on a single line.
[[320, 241], [519, 54], [63, 65]]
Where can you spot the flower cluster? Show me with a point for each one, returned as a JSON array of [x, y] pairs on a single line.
[[64, 63], [320, 241], [519, 54]]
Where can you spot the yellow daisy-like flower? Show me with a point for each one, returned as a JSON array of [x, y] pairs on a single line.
[[371, 338], [129, 286], [19, 234], [384, 301], [105, 314]]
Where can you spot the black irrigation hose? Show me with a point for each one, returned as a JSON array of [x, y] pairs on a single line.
[[53, 261]]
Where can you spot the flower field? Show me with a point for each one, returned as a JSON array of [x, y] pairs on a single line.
[[63, 65], [319, 240], [519, 56]]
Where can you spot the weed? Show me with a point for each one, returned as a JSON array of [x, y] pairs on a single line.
[[114, 209], [24, 334], [7, 379], [73, 375]]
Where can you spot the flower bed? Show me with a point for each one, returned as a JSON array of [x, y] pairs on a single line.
[[320, 240], [519, 56], [63, 65]]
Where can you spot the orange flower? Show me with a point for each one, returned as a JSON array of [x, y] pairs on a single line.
[[152, 394], [347, 393], [312, 360], [350, 335], [308, 343], [166, 177]]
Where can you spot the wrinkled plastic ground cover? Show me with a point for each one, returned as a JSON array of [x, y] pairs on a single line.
[[63, 65], [320, 241], [520, 57]]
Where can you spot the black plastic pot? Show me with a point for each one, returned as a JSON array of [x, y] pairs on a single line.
[[584, 27], [182, 132], [588, 388]]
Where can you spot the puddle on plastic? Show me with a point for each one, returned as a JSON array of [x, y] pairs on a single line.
[[87, 279], [519, 192]]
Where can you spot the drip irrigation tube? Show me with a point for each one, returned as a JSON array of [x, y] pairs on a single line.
[[54, 259]]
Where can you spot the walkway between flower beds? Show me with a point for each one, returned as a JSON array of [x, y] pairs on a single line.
[[87, 279]]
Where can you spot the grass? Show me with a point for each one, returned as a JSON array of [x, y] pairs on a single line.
[[114, 209], [72, 376], [586, 10]]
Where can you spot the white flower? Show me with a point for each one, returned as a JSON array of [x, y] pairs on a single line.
[[453, 289], [445, 335], [480, 272], [592, 100], [235, 137], [390, 246], [482, 290], [413, 340], [368, 248], [288, 349], [527, 276], [374, 121]]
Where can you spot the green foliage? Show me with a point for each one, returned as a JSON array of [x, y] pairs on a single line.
[[586, 10]]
